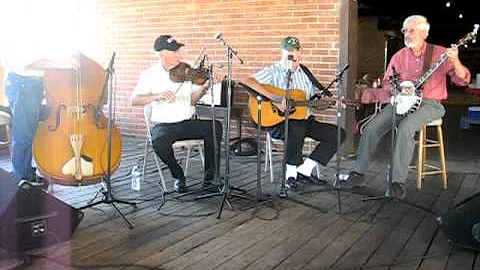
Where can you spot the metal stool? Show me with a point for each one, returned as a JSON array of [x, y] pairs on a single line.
[[424, 168]]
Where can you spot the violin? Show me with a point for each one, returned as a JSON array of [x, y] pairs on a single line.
[[184, 72]]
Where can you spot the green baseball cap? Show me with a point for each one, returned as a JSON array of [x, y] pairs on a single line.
[[290, 43]]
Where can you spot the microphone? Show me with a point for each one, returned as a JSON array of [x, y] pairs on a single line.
[[290, 62], [202, 63], [218, 36]]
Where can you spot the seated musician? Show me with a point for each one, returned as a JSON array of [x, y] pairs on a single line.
[[173, 110], [324, 133], [410, 63]]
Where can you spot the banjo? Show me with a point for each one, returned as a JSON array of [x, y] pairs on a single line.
[[409, 103]]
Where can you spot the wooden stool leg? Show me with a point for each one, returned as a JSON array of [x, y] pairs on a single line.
[[9, 142], [420, 160], [443, 164], [425, 151]]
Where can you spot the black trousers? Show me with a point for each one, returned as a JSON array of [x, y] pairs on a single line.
[[298, 130], [165, 134]]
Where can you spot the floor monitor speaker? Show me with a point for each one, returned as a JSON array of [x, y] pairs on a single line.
[[30, 218]]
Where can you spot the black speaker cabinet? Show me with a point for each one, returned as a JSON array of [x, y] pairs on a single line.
[[31, 218], [461, 223]]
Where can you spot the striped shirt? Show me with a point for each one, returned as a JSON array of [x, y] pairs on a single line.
[[276, 75]]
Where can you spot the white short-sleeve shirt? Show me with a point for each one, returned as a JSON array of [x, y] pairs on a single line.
[[155, 80]]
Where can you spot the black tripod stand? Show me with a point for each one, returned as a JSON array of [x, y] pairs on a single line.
[[106, 190], [216, 145], [336, 186], [388, 196], [227, 190]]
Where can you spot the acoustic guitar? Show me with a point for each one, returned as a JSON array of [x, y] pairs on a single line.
[[298, 105]]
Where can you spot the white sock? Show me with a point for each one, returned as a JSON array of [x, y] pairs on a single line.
[[291, 171], [307, 166]]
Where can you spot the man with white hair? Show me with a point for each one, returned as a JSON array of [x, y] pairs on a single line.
[[410, 63]]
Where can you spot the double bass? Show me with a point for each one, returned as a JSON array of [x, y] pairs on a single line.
[[71, 146]]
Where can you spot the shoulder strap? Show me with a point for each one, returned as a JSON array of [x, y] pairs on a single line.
[[427, 61], [312, 78]]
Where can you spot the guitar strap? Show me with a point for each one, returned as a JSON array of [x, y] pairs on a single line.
[[427, 60], [312, 78]]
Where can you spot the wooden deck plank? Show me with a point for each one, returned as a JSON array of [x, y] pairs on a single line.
[[340, 229], [322, 228], [423, 238]]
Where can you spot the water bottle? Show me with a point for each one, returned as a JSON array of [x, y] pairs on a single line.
[[136, 177]]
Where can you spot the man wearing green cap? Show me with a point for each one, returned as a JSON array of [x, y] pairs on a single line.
[[326, 134]]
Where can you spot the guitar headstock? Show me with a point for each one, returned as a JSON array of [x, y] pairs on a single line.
[[470, 37]]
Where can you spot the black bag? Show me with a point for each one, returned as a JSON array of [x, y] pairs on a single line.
[[244, 147]]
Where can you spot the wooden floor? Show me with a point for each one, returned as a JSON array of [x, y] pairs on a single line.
[[301, 232]]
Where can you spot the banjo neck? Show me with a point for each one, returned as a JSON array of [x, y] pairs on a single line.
[[420, 81]]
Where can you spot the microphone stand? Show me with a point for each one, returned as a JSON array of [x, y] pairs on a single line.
[[215, 145], [108, 197], [283, 191], [340, 97], [388, 197], [227, 188]]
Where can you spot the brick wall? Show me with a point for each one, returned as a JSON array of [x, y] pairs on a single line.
[[254, 28]]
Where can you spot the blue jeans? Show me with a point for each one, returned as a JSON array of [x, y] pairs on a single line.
[[25, 96]]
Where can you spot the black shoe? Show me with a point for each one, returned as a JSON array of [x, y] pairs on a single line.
[[180, 186], [398, 190], [40, 182], [291, 183], [354, 179], [208, 183], [312, 179]]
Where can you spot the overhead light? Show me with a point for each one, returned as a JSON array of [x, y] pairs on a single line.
[[460, 15], [447, 4]]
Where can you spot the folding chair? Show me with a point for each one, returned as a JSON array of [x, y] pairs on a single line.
[[147, 113]]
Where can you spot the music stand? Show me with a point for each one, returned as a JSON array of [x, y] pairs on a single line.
[[106, 191]]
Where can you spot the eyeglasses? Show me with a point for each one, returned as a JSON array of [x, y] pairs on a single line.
[[408, 31]]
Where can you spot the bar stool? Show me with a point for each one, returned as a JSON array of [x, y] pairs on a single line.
[[5, 122], [424, 168]]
